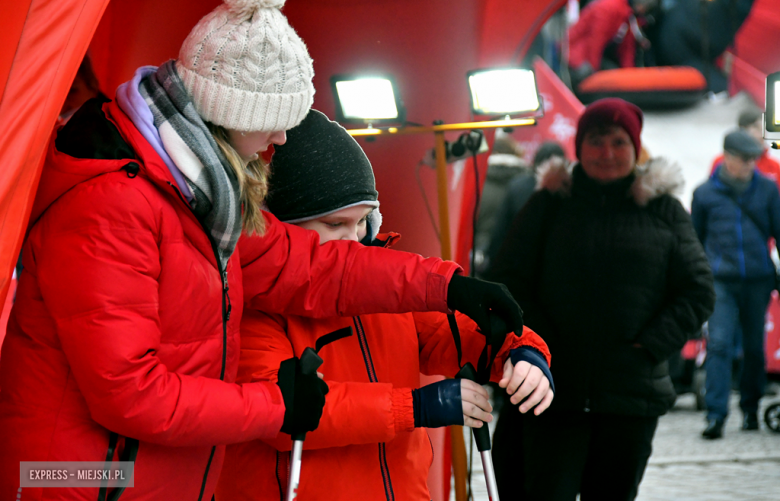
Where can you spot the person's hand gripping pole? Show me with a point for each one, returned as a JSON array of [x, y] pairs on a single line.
[[304, 397], [494, 337], [309, 363], [482, 438]]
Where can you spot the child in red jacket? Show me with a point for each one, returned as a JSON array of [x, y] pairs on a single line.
[[370, 443]]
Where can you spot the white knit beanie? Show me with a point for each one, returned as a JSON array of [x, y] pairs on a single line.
[[246, 69]]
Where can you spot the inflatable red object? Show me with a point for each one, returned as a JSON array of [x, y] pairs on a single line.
[[656, 87]]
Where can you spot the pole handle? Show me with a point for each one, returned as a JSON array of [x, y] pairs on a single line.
[[310, 361], [481, 435]]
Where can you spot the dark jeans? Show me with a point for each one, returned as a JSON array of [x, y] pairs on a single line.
[[561, 454], [738, 305]]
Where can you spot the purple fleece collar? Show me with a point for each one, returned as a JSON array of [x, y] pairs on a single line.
[[133, 104]]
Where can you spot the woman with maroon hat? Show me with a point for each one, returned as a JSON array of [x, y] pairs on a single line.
[[608, 270]]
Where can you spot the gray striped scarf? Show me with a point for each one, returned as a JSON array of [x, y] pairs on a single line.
[[193, 149]]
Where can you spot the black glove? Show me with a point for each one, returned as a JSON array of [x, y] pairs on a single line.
[[477, 298], [304, 397], [438, 404]]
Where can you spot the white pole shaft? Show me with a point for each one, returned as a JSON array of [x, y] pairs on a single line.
[[490, 475], [295, 470]]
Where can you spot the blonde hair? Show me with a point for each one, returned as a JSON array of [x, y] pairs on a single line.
[[252, 182]]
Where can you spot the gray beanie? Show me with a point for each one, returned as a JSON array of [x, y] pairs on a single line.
[[321, 169], [246, 69]]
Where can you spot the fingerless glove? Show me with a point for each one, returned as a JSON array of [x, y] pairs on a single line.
[[438, 404]]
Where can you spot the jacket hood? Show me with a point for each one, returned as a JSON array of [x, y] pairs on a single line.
[[502, 168], [71, 153], [98, 139], [654, 178]]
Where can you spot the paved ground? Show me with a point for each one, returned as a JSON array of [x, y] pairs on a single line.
[[685, 467], [742, 466]]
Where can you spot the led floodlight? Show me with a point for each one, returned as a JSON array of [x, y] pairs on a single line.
[[366, 99], [504, 91], [772, 114]]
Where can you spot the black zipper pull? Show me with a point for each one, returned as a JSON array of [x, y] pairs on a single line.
[[225, 289]]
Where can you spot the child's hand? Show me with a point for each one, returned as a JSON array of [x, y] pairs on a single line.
[[525, 380], [476, 407]]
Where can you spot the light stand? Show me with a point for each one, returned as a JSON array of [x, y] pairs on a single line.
[[772, 111], [438, 131], [493, 92]]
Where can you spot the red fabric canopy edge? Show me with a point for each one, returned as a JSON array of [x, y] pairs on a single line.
[[54, 37]]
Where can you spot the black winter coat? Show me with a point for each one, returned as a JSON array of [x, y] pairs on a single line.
[[615, 280]]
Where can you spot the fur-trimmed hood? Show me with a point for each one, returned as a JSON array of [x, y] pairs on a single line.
[[654, 178]]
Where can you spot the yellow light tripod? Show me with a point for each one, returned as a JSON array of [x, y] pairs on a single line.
[[458, 445]]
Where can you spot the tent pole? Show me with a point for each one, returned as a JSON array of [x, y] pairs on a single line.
[[457, 443]]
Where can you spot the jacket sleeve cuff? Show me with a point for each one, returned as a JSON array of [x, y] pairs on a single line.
[[275, 409], [533, 357], [438, 283], [403, 410]]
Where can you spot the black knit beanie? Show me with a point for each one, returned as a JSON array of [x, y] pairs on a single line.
[[319, 170]]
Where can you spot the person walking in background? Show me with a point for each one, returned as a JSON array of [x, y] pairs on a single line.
[[678, 37], [371, 443], [752, 122], [610, 273], [606, 36], [505, 164], [520, 189], [735, 213]]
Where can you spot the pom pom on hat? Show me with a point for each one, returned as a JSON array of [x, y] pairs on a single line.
[[244, 8], [246, 69]]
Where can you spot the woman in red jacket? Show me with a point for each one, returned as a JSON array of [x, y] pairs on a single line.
[[123, 341], [370, 443]]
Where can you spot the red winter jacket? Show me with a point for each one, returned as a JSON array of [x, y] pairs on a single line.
[[366, 446], [118, 323], [599, 24]]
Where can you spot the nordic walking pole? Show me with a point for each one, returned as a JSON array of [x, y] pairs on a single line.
[[493, 340], [310, 362], [482, 438]]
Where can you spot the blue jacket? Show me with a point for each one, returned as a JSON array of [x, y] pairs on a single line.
[[735, 245]]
